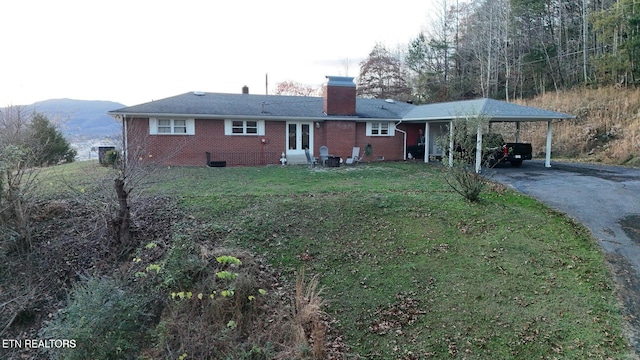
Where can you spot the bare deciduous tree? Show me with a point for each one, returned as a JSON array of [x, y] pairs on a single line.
[[294, 88], [382, 76], [114, 191]]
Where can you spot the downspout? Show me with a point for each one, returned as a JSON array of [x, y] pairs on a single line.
[[404, 148], [451, 143], [125, 141]]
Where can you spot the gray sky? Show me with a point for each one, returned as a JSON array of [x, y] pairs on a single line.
[[136, 51]]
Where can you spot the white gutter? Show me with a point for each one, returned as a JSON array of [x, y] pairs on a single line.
[[404, 148], [246, 117], [125, 141]]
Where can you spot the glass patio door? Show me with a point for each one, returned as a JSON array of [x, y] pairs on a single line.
[[299, 137]]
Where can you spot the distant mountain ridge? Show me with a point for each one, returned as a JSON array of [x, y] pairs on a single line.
[[80, 118]]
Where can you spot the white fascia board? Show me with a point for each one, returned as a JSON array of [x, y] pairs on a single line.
[[249, 117], [491, 119]]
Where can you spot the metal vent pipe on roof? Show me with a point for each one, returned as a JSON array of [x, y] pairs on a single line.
[[245, 89]]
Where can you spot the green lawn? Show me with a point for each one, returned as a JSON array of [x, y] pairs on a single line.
[[410, 269]]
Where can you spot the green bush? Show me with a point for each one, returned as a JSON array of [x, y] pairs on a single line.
[[183, 266], [111, 158], [105, 320]]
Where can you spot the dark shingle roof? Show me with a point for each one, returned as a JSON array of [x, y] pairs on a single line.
[[263, 106], [219, 105]]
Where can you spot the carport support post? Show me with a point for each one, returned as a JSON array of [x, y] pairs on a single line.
[[547, 160], [427, 143], [451, 130], [479, 149]]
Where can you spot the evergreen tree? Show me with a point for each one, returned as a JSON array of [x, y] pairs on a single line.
[[49, 145]]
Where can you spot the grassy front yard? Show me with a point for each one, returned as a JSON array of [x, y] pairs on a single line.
[[407, 267], [412, 270]]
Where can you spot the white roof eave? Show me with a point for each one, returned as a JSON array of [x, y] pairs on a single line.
[[119, 115], [491, 119]]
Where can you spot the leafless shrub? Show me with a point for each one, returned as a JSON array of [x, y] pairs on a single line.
[[460, 173]]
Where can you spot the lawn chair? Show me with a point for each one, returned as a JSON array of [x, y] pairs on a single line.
[[324, 154], [311, 161], [355, 156]]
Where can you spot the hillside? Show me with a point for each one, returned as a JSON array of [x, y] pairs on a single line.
[[80, 118], [606, 128]]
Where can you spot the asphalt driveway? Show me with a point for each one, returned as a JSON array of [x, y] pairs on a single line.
[[606, 199]]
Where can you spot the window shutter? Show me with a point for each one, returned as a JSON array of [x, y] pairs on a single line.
[[153, 126], [227, 127], [191, 127], [392, 129], [261, 127]]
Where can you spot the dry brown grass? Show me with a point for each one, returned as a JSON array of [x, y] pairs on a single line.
[[606, 128], [311, 332]]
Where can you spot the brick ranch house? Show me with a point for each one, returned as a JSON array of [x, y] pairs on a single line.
[[196, 129]]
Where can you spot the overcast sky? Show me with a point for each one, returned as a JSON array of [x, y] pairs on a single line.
[[136, 51]]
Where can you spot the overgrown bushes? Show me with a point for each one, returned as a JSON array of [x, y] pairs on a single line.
[[192, 300], [106, 318]]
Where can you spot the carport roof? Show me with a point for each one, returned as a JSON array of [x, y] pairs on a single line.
[[494, 110]]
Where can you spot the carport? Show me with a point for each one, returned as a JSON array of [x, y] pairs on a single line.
[[493, 110]]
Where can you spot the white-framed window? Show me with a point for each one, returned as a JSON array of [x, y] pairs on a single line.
[[380, 128], [244, 127], [166, 126]]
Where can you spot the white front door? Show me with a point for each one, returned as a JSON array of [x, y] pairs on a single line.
[[299, 137]]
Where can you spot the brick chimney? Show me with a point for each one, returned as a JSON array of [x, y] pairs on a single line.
[[340, 96]]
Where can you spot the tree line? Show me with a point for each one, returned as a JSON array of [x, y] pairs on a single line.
[[507, 49]]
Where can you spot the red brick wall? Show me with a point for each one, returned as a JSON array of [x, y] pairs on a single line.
[[390, 147], [339, 100], [190, 150], [341, 136]]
